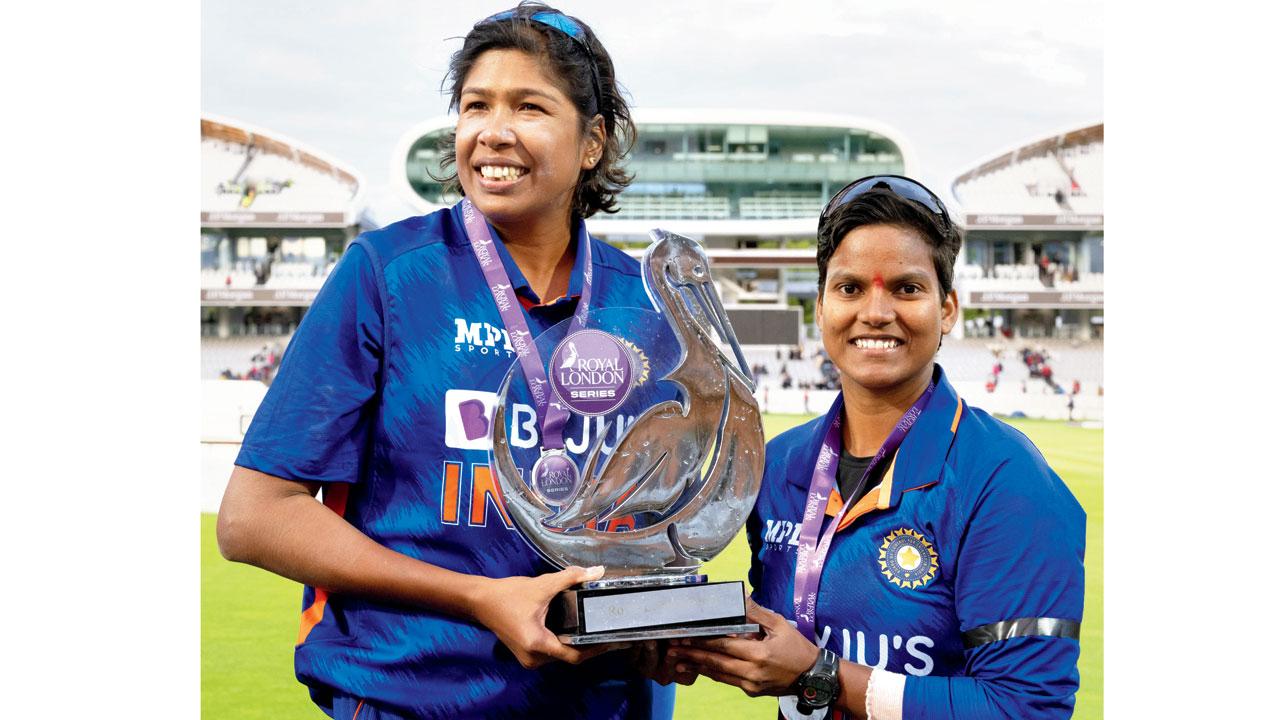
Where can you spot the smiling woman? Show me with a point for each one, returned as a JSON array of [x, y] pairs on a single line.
[[953, 554], [421, 601], [542, 130]]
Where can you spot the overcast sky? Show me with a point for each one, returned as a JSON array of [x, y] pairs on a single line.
[[961, 80]]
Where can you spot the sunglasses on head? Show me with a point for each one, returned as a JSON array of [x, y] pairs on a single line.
[[903, 187], [559, 21], [566, 25]]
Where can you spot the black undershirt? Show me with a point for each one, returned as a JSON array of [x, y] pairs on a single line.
[[849, 476]]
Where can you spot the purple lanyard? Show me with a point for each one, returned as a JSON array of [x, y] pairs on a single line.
[[811, 554], [552, 415]]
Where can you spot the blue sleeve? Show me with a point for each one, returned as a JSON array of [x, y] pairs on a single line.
[[313, 424], [1021, 555]]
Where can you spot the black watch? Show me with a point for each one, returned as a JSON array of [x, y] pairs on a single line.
[[819, 686]]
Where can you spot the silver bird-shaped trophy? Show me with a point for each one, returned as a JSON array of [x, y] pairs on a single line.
[[665, 456]]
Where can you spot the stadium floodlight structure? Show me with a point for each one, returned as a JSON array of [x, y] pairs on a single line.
[[748, 184], [274, 216], [1031, 265]]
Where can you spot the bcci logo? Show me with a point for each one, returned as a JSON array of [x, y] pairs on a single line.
[[907, 559]]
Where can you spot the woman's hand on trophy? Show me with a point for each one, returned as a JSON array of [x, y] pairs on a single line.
[[766, 664], [515, 609], [654, 660]]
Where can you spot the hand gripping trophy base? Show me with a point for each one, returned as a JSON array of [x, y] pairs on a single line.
[[695, 464], [648, 608]]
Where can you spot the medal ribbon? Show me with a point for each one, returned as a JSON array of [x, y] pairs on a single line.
[[552, 416], [811, 553]]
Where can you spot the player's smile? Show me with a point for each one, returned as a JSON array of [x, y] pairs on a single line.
[[497, 175], [877, 344]]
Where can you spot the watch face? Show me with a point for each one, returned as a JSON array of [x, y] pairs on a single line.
[[818, 691], [819, 687]]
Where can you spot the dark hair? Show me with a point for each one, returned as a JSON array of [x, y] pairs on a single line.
[[584, 74], [883, 207]]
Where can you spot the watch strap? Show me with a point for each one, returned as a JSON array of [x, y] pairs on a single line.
[[825, 672]]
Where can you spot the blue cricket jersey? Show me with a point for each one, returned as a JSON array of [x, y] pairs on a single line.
[[388, 386], [969, 531]]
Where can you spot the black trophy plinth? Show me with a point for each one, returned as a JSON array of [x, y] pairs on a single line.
[[646, 608]]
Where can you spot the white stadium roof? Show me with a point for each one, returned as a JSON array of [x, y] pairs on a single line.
[[251, 177], [1050, 182]]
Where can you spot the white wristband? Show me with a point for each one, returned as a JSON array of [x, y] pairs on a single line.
[[884, 695]]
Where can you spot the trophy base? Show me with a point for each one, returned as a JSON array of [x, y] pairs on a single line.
[[647, 608], [659, 634]]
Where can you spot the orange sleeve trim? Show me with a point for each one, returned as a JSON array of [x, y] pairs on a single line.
[[358, 709], [312, 616], [335, 498]]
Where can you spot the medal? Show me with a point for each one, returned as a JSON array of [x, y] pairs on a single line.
[[555, 476], [812, 549]]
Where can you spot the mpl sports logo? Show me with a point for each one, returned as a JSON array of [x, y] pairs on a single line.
[[482, 338], [780, 534]]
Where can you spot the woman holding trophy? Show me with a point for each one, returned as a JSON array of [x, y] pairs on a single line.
[[929, 558], [418, 603]]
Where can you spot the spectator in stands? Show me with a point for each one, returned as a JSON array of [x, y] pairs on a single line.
[[827, 368], [412, 613], [948, 525]]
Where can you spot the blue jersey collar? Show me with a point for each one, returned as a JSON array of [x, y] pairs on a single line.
[[519, 282], [923, 453]]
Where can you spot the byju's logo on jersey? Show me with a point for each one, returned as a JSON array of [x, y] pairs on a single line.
[[482, 338], [468, 418], [907, 559], [468, 414]]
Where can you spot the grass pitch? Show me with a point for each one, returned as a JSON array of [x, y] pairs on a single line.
[[249, 617]]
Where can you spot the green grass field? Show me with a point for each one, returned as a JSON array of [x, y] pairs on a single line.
[[249, 617]]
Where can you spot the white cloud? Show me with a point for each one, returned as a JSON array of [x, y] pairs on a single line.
[[1039, 62]]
